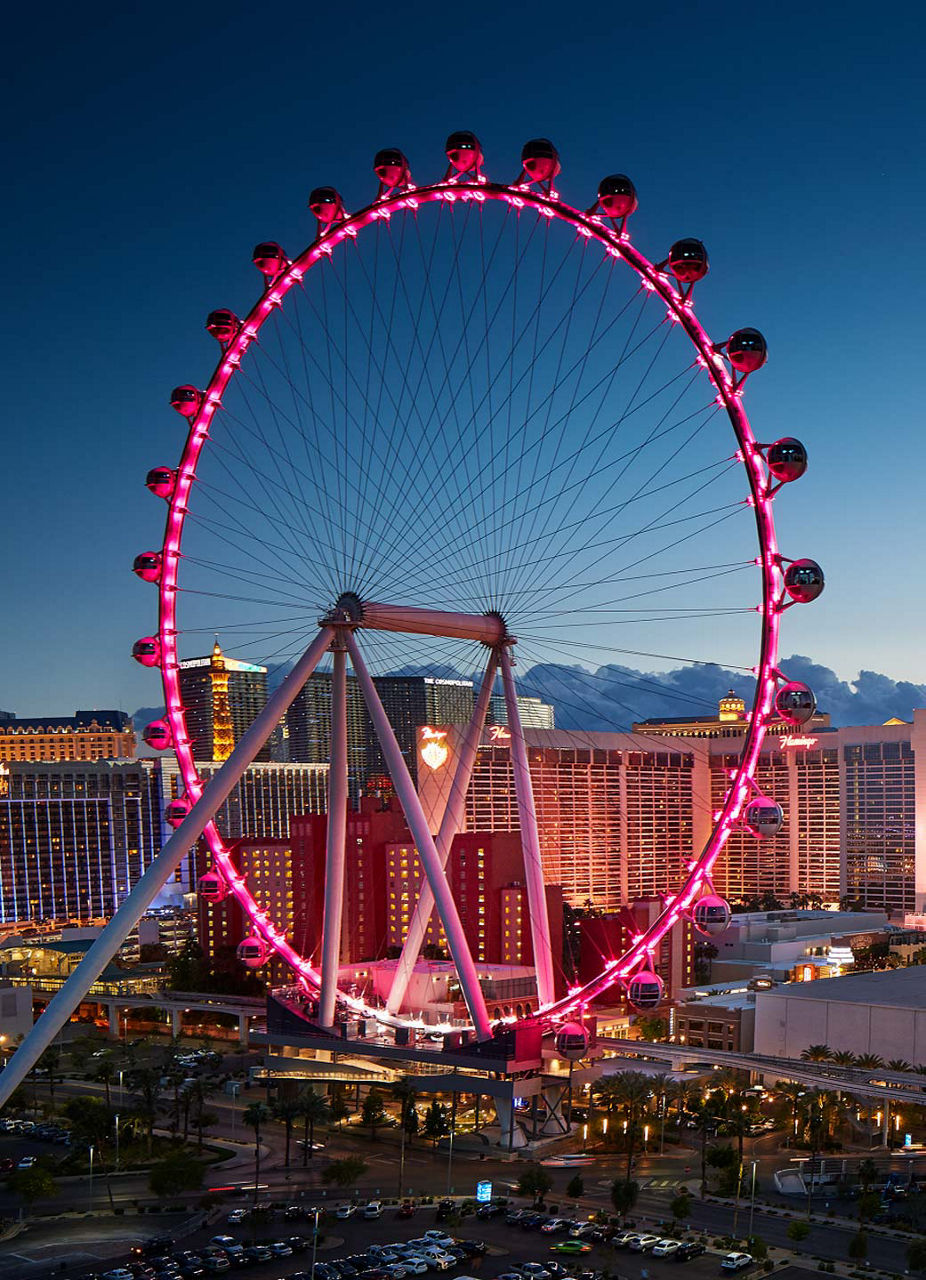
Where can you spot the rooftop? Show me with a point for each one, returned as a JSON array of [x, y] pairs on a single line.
[[902, 988]]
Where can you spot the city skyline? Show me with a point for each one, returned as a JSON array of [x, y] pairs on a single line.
[[832, 374]]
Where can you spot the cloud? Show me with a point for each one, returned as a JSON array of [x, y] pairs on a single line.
[[614, 696]]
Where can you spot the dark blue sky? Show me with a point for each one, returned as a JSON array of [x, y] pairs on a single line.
[[149, 148]]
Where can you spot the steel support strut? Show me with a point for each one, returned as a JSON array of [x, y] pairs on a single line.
[[424, 844], [530, 840], [451, 823], [337, 834], [215, 793]]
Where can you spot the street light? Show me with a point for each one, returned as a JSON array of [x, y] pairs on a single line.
[[117, 1142], [91, 1176]]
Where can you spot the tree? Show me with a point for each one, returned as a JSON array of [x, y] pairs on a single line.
[[313, 1109], [899, 1064], [145, 1082], [757, 1247], [177, 1172], [344, 1173], [412, 1123], [575, 1187], [435, 1122], [681, 1207], [869, 1202], [817, 1053], [858, 1247], [202, 1121], [256, 1115], [628, 1090], [869, 1061], [624, 1195], [843, 1058], [195, 1112], [105, 1073], [338, 1107], [651, 1028], [32, 1184], [374, 1113], [287, 1111], [535, 1182], [50, 1062], [916, 1255], [867, 1172], [798, 1231]]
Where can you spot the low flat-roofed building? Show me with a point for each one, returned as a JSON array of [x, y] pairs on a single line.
[[777, 943], [881, 1012]]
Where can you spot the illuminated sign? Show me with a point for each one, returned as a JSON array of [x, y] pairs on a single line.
[[498, 733], [794, 740], [434, 751], [483, 1192]]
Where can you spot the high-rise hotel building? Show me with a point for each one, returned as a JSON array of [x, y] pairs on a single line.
[[75, 837], [222, 697], [86, 735], [620, 815]]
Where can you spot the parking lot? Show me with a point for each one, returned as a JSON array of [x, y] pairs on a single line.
[[510, 1251]]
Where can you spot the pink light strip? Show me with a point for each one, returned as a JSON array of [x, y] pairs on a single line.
[[680, 310]]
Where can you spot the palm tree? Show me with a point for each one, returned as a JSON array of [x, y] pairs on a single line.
[[631, 1090], [843, 1058], [792, 1093], [817, 1053], [899, 1064], [105, 1073], [146, 1082], [869, 1061], [255, 1115], [287, 1110], [738, 1120], [314, 1109]]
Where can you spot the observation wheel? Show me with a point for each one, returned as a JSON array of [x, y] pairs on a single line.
[[473, 432]]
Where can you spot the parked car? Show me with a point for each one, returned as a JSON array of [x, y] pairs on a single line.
[[373, 1210], [345, 1210], [642, 1243], [693, 1249], [532, 1271], [439, 1238], [406, 1209], [666, 1248], [736, 1261]]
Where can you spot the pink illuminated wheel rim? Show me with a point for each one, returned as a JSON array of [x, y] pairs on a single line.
[[272, 469]]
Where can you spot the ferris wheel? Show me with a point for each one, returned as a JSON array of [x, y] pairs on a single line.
[[471, 426]]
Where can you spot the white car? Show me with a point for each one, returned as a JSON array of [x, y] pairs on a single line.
[[118, 1273], [440, 1238], [642, 1243], [437, 1259], [26, 1162], [414, 1266], [666, 1248], [345, 1210], [236, 1216], [736, 1261], [534, 1271], [373, 1210], [223, 1241]]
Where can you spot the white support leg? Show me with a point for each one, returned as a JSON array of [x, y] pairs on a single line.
[[530, 840], [337, 834], [451, 823], [424, 843], [215, 793]]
